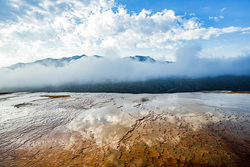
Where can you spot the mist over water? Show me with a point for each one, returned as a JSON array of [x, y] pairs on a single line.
[[91, 70]]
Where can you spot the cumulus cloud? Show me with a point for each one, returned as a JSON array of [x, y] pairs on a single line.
[[55, 28], [92, 70]]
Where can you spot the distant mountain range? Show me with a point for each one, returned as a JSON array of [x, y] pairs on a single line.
[[47, 62], [157, 85], [147, 59], [61, 62]]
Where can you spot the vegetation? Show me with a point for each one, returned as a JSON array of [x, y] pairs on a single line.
[[5, 93], [164, 85], [55, 96]]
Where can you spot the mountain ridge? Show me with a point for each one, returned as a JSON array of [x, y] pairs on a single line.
[[61, 62], [47, 62]]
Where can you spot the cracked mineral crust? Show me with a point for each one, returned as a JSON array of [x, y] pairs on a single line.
[[98, 129]]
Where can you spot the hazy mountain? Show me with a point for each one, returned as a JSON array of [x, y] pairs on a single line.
[[48, 62], [143, 58], [65, 60], [147, 59], [90, 76]]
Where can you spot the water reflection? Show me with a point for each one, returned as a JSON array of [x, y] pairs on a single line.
[[124, 129]]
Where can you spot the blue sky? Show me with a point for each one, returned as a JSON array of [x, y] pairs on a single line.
[[31, 29], [236, 12]]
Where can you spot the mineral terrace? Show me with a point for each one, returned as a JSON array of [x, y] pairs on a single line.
[[98, 129]]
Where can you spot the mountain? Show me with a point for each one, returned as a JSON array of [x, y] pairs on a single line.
[[147, 59], [143, 58], [157, 85], [65, 60], [48, 62]]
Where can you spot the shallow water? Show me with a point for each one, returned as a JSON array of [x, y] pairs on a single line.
[[210, 129]]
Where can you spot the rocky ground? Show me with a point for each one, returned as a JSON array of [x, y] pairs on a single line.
[[84, 129]]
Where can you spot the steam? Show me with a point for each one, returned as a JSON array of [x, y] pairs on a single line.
[[91, 70]]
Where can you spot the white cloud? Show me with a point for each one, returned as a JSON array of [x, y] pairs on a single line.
[[15, 3], [64, 28], [246, 30], [216, 18], [219, 48], [206, 8], [231, 29], [223, 9]]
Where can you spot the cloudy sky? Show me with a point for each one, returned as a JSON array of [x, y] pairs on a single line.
[[33, 29]]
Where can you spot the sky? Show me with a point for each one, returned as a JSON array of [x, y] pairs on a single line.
[[31, 29]]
